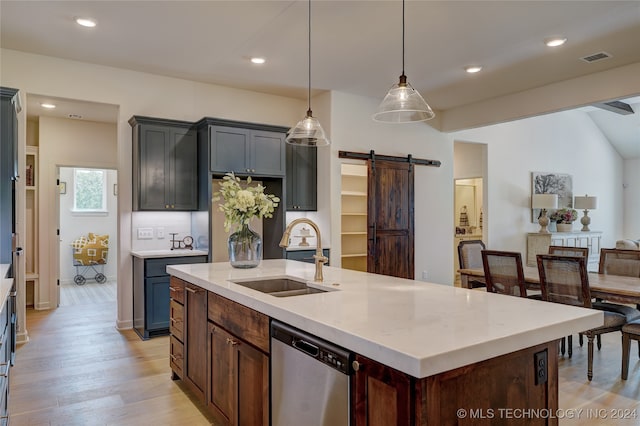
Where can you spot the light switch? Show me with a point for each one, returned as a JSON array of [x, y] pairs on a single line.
[[160, 233]]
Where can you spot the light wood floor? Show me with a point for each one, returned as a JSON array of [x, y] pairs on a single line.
[[89, 293], [79, 370]]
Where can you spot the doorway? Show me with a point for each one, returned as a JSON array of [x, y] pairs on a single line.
[[88, 244]]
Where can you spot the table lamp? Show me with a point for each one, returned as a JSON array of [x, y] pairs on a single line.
[[544, 202], [585, 203]]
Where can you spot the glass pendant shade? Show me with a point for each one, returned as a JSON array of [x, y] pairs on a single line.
[[308, 132], [403, 104]]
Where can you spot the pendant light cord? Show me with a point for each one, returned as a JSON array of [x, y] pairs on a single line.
[[309, 91], [402, 37]]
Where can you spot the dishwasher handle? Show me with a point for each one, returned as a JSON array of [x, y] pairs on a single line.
[[306, 347]]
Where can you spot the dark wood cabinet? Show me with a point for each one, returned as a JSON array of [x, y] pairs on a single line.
[[151, 293], [195, 339], [380, 395], [239, 380], [238, 346], [165, 165], [302, 177], [246, 151], [383, 396], [176, 328]]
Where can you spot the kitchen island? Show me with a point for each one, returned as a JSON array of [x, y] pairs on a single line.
[[437, 348]]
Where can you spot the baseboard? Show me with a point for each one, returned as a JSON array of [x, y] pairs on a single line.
[[22, 337], [42, 306], [124, 325]]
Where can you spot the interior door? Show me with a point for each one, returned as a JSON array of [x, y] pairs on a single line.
[[390, 239]]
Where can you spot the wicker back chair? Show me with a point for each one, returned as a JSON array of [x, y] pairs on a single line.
[[503, 272], [620, 262], [470, 257], [570, 251], [564, 279]]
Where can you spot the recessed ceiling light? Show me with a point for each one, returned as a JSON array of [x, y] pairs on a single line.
[[555, 41], [47, 106], [472, 69], [258, 61], [86, 22]]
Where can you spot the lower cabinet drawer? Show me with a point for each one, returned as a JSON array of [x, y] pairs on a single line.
[[176, 289], [243, 322], [176, 356], [176, 320]]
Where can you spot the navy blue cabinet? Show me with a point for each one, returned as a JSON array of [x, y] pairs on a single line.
[[302, 165], [165, 165], [8, 169], [151, 293]]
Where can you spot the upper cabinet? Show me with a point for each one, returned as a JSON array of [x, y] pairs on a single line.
[[165, 165], [246, 152], [8, 169], [302, 165], [247, 149]]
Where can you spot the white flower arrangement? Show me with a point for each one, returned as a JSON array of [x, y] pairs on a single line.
[[243, 202]]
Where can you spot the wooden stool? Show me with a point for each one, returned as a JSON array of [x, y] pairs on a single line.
[[629, 331]]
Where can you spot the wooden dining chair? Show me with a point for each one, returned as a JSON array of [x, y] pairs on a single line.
[[571, 251], [619, 262], [470, 257], [503, 272], [630, 331], [564, 279]]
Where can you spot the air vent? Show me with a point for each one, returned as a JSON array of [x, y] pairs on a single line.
[[75, 116], [600, 56]]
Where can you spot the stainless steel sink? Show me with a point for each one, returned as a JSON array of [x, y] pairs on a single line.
[[280, 287]]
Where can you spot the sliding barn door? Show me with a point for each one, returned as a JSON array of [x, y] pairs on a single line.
[[390, 219]]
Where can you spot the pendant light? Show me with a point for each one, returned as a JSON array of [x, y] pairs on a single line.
[[403, 103], [308, 131]]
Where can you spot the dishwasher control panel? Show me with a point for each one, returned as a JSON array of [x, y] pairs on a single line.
[[315, 347]]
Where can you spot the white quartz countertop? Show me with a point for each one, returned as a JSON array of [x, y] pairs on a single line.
[[148, 254], [419, 328]]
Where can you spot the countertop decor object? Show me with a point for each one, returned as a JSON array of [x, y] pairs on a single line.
[[564, 219], [403, 103], [241, 204], [544, 202], [308, 131], [585, 203]]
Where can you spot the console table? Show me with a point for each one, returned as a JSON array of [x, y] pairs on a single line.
[[538, 243]]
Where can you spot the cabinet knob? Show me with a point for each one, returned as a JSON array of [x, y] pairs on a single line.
[[166, 206], [355, 365], [253, 170]]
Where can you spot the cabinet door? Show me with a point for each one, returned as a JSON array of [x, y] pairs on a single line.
[[267, 155], [229, 149], [157, 300], [238, 390], [380, 395], [183, 177], [301, 178], [195, 339], [152, 167]]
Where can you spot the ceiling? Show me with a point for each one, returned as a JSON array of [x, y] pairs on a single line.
[[356, 45]]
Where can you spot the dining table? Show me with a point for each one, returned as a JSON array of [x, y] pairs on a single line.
[[615, 288]]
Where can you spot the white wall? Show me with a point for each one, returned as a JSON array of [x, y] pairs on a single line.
[[74, 225], [565, 142], [65, 142], [134, 93], [352, 129], [631, 193]]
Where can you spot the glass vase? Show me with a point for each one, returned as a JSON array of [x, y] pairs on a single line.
[[245, 248]]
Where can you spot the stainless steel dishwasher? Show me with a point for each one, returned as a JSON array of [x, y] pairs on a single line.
[[309, 379]]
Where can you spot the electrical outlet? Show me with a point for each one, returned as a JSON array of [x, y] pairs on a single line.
[[540, 361], [145, 233], [424, 275], [160, 233]]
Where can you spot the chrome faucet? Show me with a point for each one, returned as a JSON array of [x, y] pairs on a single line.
[[319, 257]]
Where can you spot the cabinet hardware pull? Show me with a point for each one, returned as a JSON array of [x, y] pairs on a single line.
[[191, 290], [231, 342], [355, 365], [175, 358], [172, 288], [166, 206], [173, 206]]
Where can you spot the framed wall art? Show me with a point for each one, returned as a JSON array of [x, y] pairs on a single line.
[[552, 183]]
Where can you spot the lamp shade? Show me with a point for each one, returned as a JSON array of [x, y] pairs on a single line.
[[544, 201], [403, 104], [585, 203], [308, 132]]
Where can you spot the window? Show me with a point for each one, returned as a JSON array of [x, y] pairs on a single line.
[[89, 191]]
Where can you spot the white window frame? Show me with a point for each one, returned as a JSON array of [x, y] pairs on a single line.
[[90, 212]]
